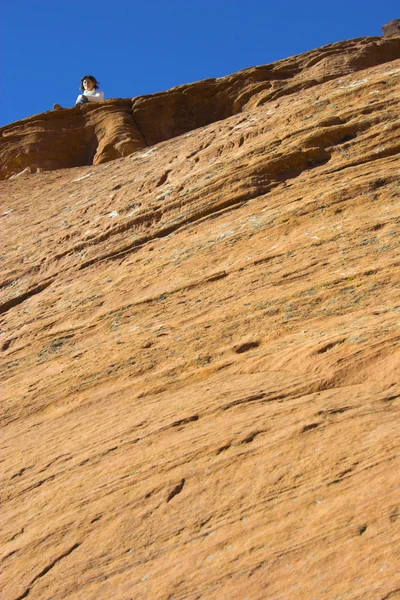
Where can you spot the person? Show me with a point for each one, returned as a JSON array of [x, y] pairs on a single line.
[[91, 92], [90, 89]]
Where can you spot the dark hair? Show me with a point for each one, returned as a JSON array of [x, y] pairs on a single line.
[[96, 83]]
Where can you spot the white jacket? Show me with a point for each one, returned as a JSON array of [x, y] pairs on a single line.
[[92, 95]]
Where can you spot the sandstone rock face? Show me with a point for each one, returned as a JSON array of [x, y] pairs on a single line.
[[82, 135], [94, 134], [200, 349], [392, 28]]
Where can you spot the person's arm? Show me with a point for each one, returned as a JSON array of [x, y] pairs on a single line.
[[97, 96], [79, 99]]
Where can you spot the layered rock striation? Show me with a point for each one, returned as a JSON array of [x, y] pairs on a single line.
[[200, 341], [94, 134]]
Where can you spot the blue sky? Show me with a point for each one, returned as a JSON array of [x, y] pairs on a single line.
[[137, 47]]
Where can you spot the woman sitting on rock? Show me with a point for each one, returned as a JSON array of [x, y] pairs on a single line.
[[91, 92], [90, 89]]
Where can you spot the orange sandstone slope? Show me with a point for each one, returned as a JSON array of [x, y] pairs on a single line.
[[200, 354]]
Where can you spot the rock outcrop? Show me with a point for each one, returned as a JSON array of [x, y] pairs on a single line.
[[94, 134], [82, 135], [200, 341], [392, 28]]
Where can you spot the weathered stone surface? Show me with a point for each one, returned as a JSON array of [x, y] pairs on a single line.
[[200, 358], [82, 135], [100, 133], [177, 111], [392, 28]]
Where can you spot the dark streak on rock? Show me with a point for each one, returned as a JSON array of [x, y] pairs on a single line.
[[17, 534], [223, 448], [95, 519], [176, 490], [246, 346], [20, 472], [391, 398], [394, 514], [264, 397], [6, 306], [6, 345], [329, 346], [342, 475], [334, 411], [391, 594], [164, 178], [185, 421], [362, 529], [309, 427], [46, 570], [249, 438]]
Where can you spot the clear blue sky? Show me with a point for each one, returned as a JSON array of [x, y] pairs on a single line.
[[137, 47]]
